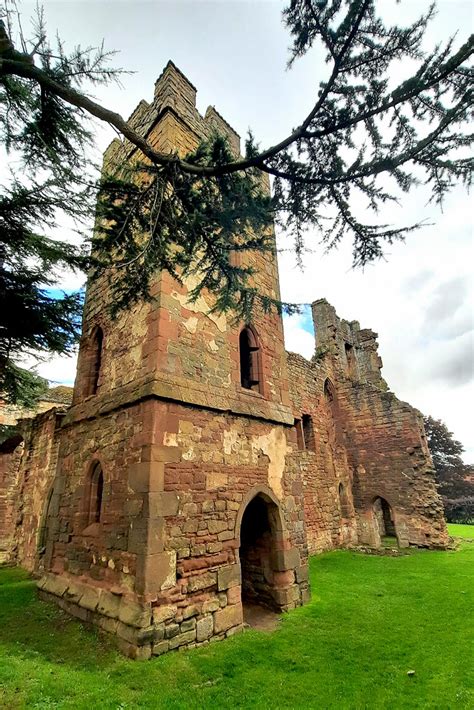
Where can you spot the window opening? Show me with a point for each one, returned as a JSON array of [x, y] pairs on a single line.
[[249, 361], [308, 432], [95, 495], [95, 361], [344, 501], [299, 434], [351, 360]]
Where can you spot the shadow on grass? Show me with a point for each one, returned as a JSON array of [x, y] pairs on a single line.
[[30, 627]]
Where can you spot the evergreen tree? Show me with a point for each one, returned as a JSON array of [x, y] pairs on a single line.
[[455, 479], [362, 135], [46, 141]]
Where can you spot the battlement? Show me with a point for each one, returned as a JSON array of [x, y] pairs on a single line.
[[176, 94]]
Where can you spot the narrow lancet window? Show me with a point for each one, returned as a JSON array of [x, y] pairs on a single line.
[[95, 360], [308, 433], [94, 495], [250, 376]]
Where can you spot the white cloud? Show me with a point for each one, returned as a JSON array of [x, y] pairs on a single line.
[[59, 369], [297, 339]]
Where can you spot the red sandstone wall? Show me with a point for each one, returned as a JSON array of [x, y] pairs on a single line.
[[26, 477], [365, 438], [10, 460], [325, 464]]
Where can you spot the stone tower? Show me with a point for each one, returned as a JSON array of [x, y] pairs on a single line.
[[172, 456], [200, 462]]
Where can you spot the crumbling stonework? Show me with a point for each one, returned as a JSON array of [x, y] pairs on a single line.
[[200, 462], [368, 446]]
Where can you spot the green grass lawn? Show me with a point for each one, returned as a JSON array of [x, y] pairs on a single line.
[[371, 620], [466, 531]]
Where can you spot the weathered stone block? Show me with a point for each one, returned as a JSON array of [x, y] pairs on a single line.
[[156, 572], [229, 576], [146, 535], [216, 526], [182, 639], [171, 630], [202, 581], [302, 573], [161, 503], [226, 618], [164, 613], [54, 584], [90, 598], [126, 632], [210, 606], [204, 628], [161, 647], [283, 560], [74, 591], [156, 453], [109, 625], [234, 595], [146, 477], [108, 604], [134, 614], [190, 611], [188, 625]]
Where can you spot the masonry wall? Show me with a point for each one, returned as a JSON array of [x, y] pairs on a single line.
[[177, 482], [324, 462], [25, 486], [365, 439], [170, 494], [10, 459]]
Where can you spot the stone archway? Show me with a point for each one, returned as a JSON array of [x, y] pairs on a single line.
[[269, 565], [384, 521], [257, 541]]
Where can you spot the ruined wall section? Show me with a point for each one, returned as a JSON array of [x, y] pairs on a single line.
[[322, 459], [161, 569], [11, 453], [384, 438], [26, 477]]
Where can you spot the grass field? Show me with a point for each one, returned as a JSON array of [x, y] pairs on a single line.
[[463, 531], [372, 619]]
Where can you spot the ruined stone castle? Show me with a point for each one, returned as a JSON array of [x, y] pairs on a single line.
[[200, 463]]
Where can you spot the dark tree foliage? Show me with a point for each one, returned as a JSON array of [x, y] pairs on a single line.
[[189, 226], [46, 140], [31, 319], [455, 479], [364, 141]]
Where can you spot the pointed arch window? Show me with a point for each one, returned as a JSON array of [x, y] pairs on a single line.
[[94, 360], [250, 367], [93, 502], [329, 392]]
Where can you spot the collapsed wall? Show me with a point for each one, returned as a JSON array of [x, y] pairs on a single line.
[[367, 472]]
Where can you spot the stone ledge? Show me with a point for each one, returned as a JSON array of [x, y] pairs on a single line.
[[186, 393]]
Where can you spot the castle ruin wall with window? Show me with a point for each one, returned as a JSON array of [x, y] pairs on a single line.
[[200, 462]]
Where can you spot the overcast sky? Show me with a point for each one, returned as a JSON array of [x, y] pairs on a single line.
[[420, 300]]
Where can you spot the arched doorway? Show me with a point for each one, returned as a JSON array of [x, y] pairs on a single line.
[[384, 522], [256, 543], [261, 535]]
